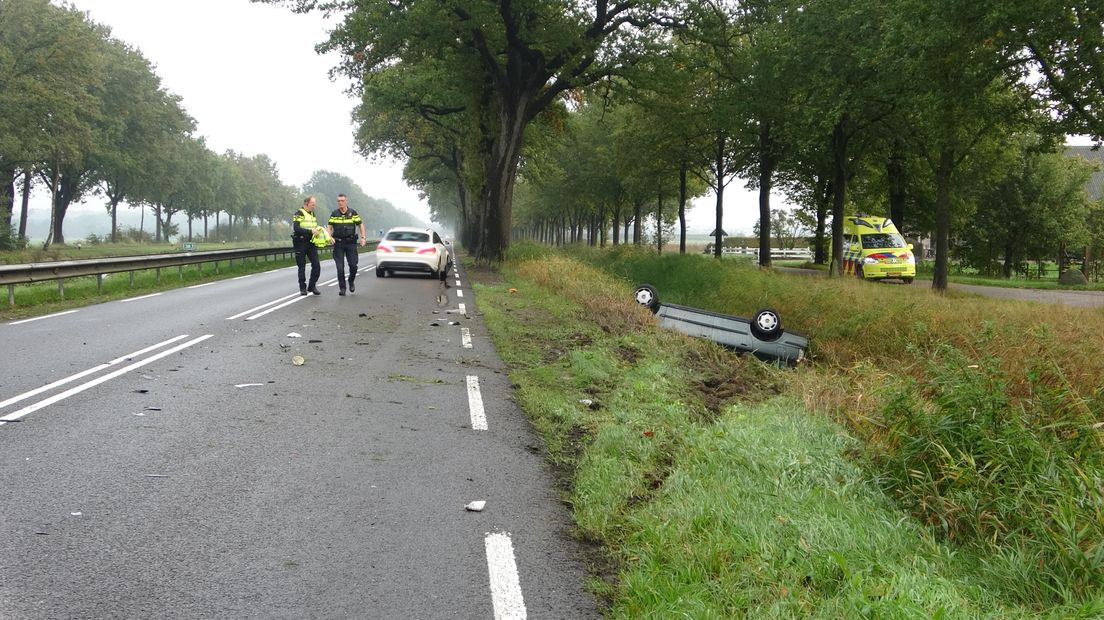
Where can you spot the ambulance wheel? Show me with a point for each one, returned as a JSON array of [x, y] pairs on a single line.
[[907, 280], [647, 296], [766, 325]]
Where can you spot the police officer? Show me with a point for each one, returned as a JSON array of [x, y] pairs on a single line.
[[307, 236], [343, 226]]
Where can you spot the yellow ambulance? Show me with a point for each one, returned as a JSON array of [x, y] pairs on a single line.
[[873, 249]]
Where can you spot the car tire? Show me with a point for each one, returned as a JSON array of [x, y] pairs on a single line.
[[908, 280], [647, 296], [766, 325], [379, 272]]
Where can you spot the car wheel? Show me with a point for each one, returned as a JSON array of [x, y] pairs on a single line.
[[379, 272], [647, 296], [766, 325], [907, 280]]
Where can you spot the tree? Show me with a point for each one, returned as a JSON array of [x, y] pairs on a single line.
[[523, 55], [51, 68]]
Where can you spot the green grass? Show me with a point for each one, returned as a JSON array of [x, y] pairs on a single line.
[[940, 457]]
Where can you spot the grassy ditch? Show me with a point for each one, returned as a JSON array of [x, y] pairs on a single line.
[[939, 457]]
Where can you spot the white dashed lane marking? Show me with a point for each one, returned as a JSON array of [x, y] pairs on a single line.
[[506, 596], [39, 318], [475, 405], [465, 337]]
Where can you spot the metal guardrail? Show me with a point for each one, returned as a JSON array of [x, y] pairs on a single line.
[[30, 273]]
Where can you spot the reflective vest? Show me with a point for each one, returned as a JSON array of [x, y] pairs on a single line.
[[321, 237], [309, 224]]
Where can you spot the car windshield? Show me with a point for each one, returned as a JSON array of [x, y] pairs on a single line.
[[882, 241], [406, 235]]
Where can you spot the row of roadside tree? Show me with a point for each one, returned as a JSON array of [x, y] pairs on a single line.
[[525, 117], [85, 114]]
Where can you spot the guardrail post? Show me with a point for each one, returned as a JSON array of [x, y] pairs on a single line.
[[99, 283], [216, 268], [11, 294], [131, 279], [157, 275], [61, 287], [180, 270]]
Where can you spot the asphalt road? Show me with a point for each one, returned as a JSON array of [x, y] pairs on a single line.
[[163, 457]]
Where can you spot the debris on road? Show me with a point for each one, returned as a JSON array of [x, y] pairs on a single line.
[[245, 385], [294, 335], [314, 341], [298, 360], [153, 409], [476, 506]]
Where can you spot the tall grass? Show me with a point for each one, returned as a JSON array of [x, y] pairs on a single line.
[[982, 418]]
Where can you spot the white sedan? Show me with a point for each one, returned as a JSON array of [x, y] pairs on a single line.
[[412, 249]]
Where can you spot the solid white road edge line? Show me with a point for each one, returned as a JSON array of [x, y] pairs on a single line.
[[93, 383], [85, 373], [127, 301], [465, 337], [39, 318], [275, 308], [203, 285], [251, 310], [505, 585], [475, 405]]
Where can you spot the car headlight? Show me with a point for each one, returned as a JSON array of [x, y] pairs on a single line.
[[870, 260]]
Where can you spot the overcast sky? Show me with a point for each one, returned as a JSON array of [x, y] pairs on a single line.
[[249, 75]]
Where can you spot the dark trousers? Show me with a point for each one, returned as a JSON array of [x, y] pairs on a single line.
[[303, 251], [343, 250]]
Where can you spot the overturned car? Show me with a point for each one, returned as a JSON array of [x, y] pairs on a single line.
[[762, 335]]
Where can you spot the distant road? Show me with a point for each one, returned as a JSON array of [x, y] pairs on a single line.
[[1083, 299]]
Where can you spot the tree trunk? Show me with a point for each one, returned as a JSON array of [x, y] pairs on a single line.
[[839, 194], [718, 170], [942, 219], [767, 162], [7, 197], [54, 182], [205, 237], [895, 175], [637, 233], [682, 207], [824, 198], [659, 223], [617, 225], [26, 206]]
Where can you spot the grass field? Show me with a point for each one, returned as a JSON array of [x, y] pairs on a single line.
[[940, 457]]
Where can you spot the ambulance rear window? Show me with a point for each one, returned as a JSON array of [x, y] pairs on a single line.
[[882, 241]]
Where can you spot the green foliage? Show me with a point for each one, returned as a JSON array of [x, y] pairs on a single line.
[[1018, 478]]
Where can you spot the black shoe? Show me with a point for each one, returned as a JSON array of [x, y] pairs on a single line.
[[341, 292], [302, 290], [352, 287], [314, 290]]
